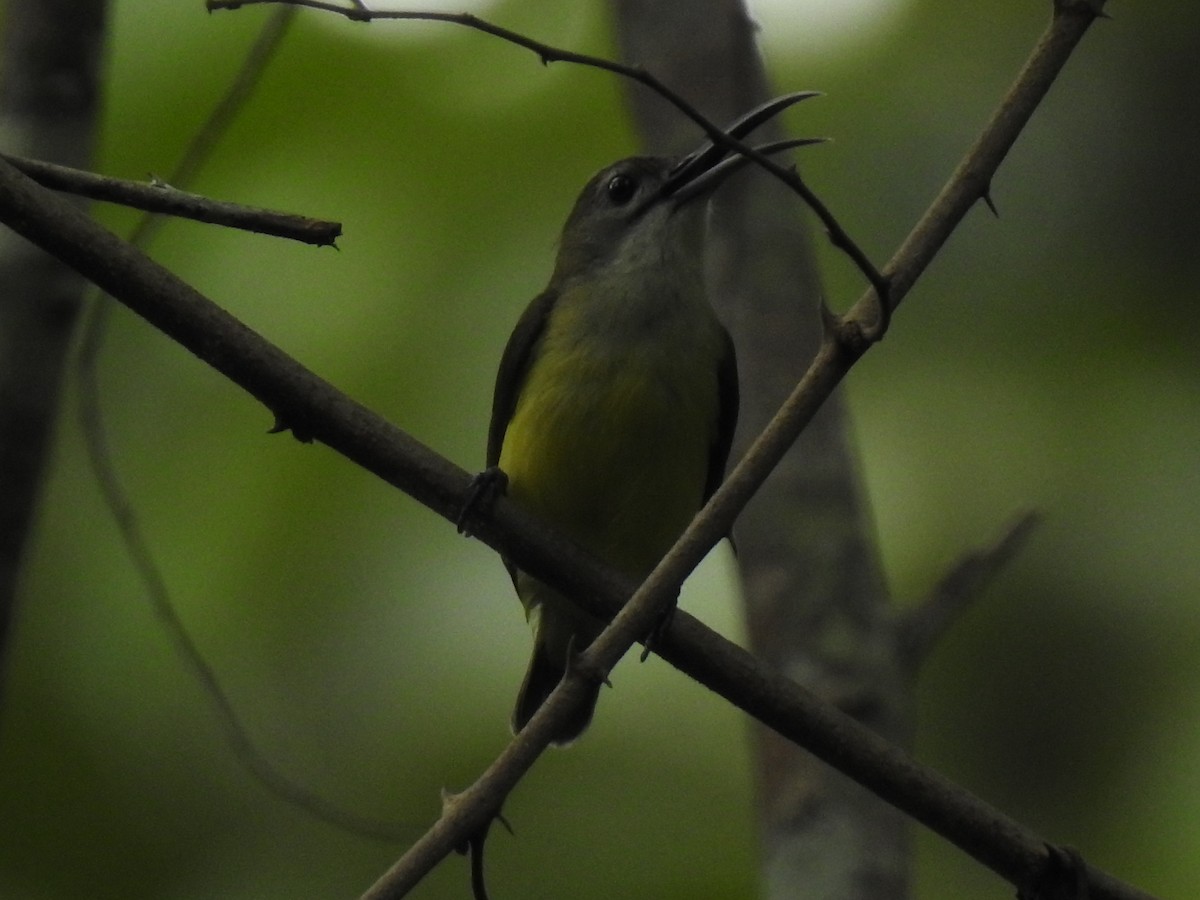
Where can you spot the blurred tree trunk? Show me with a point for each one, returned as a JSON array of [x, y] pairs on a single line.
[[816, 603], [50, 66]]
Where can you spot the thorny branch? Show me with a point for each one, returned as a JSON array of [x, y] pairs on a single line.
[[301, 398], [99, 453], [918, 629], [359, 12], [987, 834], [160, 197]]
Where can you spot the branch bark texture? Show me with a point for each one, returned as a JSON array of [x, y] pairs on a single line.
[[312, 407], [168, 200]]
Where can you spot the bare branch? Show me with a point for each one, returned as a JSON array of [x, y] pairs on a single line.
[[814, 599], [919, 629], [302, 399], [160, 197], [972, 179], [982, 831], [838, 236], [99, 454]]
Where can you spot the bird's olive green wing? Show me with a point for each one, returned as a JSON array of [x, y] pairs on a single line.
[[727, 414], [514, 366]]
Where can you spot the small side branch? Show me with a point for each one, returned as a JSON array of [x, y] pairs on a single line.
[[159, 197], [838, 236], [283, 384], [996, 840], [919, 629]]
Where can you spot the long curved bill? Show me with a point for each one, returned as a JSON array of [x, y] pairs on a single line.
[[707, 181], [700, 172], [709, 153]]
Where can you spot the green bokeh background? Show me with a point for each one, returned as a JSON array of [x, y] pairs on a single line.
[[1048, 359]]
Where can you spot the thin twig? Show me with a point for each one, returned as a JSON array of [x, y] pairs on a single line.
[[984, 832], [920, 628], [197, 153], [972, 180], [838, 235], [351, 429], [288, 388], [160, 197], [117, 500]]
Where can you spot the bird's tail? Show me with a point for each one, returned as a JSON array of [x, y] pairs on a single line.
[[541, 678]]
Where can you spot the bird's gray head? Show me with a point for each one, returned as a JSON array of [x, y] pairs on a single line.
[[626, 214], [643, 211]]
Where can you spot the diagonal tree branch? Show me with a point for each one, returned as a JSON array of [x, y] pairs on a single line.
[[359, 12], [305, 401], [814, 597], [159, 197], [919, 629], [1068, 26], [972, 179]]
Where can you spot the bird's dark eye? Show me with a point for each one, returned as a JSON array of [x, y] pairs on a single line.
[[621, 189]]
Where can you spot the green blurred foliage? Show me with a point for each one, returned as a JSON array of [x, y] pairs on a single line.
[[1048, 360]]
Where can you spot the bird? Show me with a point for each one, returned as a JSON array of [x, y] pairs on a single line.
[[616, 397]]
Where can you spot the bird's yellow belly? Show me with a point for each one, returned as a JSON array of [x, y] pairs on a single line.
[[614, 452]]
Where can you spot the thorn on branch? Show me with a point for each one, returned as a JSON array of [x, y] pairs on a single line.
[[986, 197], [159, 196], [831, 322], [499, 817], [284, 423]]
